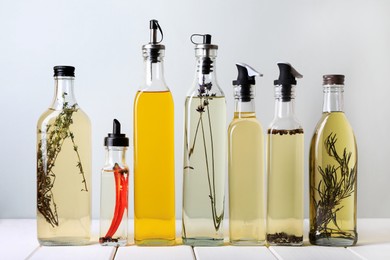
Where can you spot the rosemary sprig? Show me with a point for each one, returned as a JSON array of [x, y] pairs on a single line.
[[337, 184], [49, 148], [203, 109]]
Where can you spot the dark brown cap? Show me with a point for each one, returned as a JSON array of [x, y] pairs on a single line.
[[333, 79]]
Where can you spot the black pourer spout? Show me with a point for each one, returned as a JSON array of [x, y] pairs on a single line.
[[287, 78], [245, 79], [116, 138]]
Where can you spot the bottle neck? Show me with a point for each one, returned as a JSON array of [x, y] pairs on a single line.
[[154, 73], [244, 103], [63, 93], [333, 98], [284, 101], [205, 70], [115, 154]]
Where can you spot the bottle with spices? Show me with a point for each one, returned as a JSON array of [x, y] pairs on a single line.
[[246, 164], [204, 152], [64, 167], [285, 160], [114, 190], [154, 173], [333, 172]]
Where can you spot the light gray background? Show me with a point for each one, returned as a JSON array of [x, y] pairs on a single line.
[[103, 39]]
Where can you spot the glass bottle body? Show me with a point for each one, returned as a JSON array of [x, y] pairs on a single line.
[[64, 170], [333, 175], [285, 160], [204, 160], [154, 176], [246, 177], [114, 198]]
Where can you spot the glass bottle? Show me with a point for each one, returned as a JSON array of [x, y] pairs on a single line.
[[114, 190], [285, 160], [64, 167], [154, 173], [333, 172], [204, 152], [246, 164]]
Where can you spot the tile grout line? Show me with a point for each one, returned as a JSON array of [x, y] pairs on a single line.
[[113, 255], [274, 253], [33, 252], [355, 253], [193, 253]]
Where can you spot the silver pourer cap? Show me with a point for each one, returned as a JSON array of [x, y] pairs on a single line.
[[154, 49]]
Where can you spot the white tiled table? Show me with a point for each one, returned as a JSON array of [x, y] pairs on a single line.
[[18, 241]]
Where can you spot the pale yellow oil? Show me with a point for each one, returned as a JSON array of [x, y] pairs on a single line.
[[344, 234], [73, 203], [246, 185], [204, 172], [285, 186], [154, 174]]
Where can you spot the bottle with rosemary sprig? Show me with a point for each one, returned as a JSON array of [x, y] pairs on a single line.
[[64, 167], [333, 172], [204, 152]]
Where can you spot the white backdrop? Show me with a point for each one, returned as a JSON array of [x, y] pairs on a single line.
[[103, 39]]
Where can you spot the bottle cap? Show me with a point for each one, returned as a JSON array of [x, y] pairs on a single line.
[[116, 138], [205, 50], [153, 48], [64, 71], [333, 79], [246, 75], [287, 74], [244, 82], [205, 43]]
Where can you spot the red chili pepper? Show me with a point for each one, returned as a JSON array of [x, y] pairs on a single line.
[[121, 185]]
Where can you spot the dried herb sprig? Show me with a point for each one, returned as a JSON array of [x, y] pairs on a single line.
[[49, 148], [204, 101], [337, 184]]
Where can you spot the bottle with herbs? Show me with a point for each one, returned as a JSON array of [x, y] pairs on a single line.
[[154, 158], [114, 190], [204, 152], [333, 172], [285, 159], [64, 167], [246, 164]]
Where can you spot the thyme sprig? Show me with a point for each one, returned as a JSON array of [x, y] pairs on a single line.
[[49, 147], [205, 96], [337, 184]]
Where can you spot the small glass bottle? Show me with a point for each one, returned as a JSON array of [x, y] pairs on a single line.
[[204, 152], [285, 160], [154, 160], [246, 164], [333, 172], [114, 190], [64, 167]]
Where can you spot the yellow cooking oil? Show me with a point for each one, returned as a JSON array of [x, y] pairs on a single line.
[[154, 178]]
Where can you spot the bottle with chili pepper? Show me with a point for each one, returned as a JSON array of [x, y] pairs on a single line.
[[114, 190]]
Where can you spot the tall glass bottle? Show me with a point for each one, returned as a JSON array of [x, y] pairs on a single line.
[[285, 160], [64, 167], [154, 173], [246, 164], [114, 190], [333, 172], [204, 152]]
